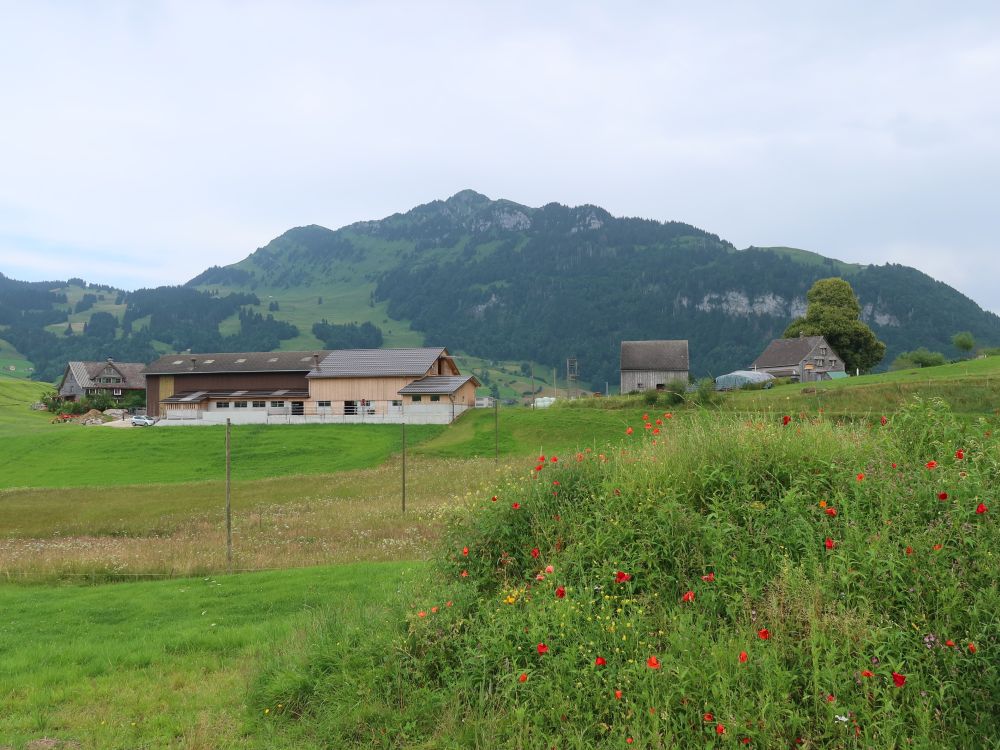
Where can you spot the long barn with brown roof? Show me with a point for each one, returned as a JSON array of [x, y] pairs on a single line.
[[418, 385]]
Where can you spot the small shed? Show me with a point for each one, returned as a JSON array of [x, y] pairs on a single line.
[[739, 378], [650, 365]]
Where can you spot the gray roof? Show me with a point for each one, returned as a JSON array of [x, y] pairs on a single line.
[[359, 363], [196, 397], [133, 373], [176, 364], [655, 355], [436, 384], [787, 352]]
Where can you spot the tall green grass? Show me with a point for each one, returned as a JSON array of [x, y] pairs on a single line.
[[837, 558]]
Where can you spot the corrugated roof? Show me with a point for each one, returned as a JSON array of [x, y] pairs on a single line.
[[195, 397], [437, 384], [787, 352], [654, 355], [174, 364], [354, 363]]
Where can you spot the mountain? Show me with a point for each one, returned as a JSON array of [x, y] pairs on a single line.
[[502, 280], [493, 279]]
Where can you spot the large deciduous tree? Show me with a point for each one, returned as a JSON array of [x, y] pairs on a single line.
[[834, 313]]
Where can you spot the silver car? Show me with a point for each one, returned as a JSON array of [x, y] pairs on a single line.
[[141, 420]]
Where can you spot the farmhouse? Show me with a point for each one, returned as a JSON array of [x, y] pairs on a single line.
[[115, 379], [805, 359], [650, 365], [417, 386]]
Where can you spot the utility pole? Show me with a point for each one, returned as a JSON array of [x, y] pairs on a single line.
[[404, 466], [229, 507], [532, 385], [496, 429]]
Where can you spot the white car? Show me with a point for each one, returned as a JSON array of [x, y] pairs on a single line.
[[140, 420]]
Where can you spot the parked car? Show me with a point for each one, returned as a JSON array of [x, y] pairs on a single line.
[[141, 420]]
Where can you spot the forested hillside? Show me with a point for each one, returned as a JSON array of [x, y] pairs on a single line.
[[492, 279]]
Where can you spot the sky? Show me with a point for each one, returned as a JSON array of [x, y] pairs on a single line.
[[142, 142]]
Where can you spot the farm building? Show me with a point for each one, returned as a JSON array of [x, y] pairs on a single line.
[[115, 379], [417, 386], [650, 365], [805, 359]]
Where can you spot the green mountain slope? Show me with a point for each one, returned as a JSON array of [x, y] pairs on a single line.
[[500, 280], [495, 280]]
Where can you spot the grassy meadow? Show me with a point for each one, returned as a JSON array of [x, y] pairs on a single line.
[[166, 664], [333, 651]]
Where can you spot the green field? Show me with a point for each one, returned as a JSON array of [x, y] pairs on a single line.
[[169, 663], [313, 657], [12, 363]]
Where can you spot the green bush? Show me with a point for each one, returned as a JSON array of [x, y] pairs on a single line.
[[856, 549]]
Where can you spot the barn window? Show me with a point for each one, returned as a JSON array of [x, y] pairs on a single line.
[[435, 398], [323, 404], [277, 404], [259, 404], [221, 404], [240, 404], [415, 398]]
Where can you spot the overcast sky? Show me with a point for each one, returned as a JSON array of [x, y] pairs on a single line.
[[142, 142]]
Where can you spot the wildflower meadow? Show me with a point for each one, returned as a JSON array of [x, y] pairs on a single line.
[[711, 581]]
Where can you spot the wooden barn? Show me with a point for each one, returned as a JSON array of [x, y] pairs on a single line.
[[805, 359], [420, 386], [650, 365]]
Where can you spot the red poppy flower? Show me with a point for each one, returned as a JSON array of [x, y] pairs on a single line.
[[618, 695], [653, 663], [949, 643], [434, 610], [535, 553], [894, 466], [898, 679], [831, 698], [931, 464], [447, 604], [421, 614], [648, 426], [539, 467], [710, 578], [645, 417], [829, 543], [936, 547], [942, 496], [867, 673], [785, 420], [621, 576], [523, 677], [465, 574], [465, 551], [541, 459], [494, 498], [861, 477], [708, 717], [600, 661], [909, 550], [688, 596], [959, 454], [763, 634], [659, 422], [667, 415], [516, 506], [542, 648], [981, 508], [720, 730], [884, 421], [745, 740], [561, 592], [629, 740], [743, 657], [628, 430], [656, 431], [972, 648], [831, 512]]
